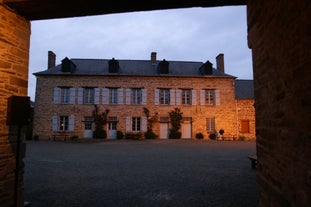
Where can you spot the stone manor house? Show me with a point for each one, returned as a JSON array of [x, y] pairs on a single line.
[[209, 98]]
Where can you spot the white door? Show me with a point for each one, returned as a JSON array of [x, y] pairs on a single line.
[[112, 130], [186, 130], [163, 130], [88, 122]]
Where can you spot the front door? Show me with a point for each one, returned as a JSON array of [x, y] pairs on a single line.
[[163, 130], [112, 128], [88, 122], [186, 130]]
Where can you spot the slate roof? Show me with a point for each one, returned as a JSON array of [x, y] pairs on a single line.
[[244, 89], [132, 68]]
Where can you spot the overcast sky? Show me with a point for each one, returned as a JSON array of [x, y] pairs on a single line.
[[196, 34]]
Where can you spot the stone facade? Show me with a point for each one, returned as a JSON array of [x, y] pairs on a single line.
[[14, 54], [279, 36], [224, 113]]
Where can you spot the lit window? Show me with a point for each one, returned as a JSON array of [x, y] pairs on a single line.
[[63, 124]]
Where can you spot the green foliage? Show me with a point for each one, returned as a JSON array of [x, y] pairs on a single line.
[[213, 136], [100, 134], [241, 138], [134, 136], [199, 135], [120, 135], [150, 119], [74, 137], [100, 120], [150, 135], [175, 117]]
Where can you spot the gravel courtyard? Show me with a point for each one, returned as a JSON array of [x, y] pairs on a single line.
[[152, 173]]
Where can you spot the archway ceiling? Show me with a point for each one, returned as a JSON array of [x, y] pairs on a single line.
[[50, 9]]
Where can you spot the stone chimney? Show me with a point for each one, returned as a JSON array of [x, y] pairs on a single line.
[[220, 63], [51, 59], [153, 57]]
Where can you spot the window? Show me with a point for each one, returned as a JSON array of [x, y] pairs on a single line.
[[136, 96], [209, 97], [136, 124], [244, 126], [164, 96], [186, 97], [210, 124], [63, 123], [88, 95], [65, 95], [113, 95], [88, 121]]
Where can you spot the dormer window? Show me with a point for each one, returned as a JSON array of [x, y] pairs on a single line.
[[113, 65], [163, 67], [68, 65], [206, 68]]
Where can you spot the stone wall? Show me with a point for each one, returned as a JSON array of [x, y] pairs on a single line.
[[225, 113], [14, 49], [246, 112], [279, 34]]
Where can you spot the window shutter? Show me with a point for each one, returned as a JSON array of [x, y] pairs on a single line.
[[202, 97], [217, 97], [56, 95], [105, 96], [172, 96], [144, 96], [71, 123], [156, 96], [143, 124], [72, 96], [80, 95], [178, 97], [194, 97], [128, 96], [120, 95], [96, 95], [128, 124], [54, 123]]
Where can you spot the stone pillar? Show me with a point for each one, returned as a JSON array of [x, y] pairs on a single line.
[[14, 55], [279, 34]]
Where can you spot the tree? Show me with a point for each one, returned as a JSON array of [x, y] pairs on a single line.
[[100, 120], [175, 118], [150, 121]]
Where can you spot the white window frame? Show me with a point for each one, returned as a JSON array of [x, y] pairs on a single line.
[[88, 95], [164, 96], [210, 124], [186, 97], [136, 96], [113, 95], [136, 124]]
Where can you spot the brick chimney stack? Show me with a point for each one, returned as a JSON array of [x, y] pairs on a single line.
[[220, 63], [51, 59], [153, 57]]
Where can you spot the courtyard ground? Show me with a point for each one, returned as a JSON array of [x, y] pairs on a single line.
[[151, 173]]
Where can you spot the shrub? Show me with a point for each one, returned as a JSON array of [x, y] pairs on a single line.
[[213, 136], [150, 135], [199, 135], [241, 138], [74, 137], [120, 135], [175, 135], [134, 136], [100, 134]]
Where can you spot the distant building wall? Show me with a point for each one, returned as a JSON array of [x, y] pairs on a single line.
[[14, 54]]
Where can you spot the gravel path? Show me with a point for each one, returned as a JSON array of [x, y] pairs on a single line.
[[151, 173]]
